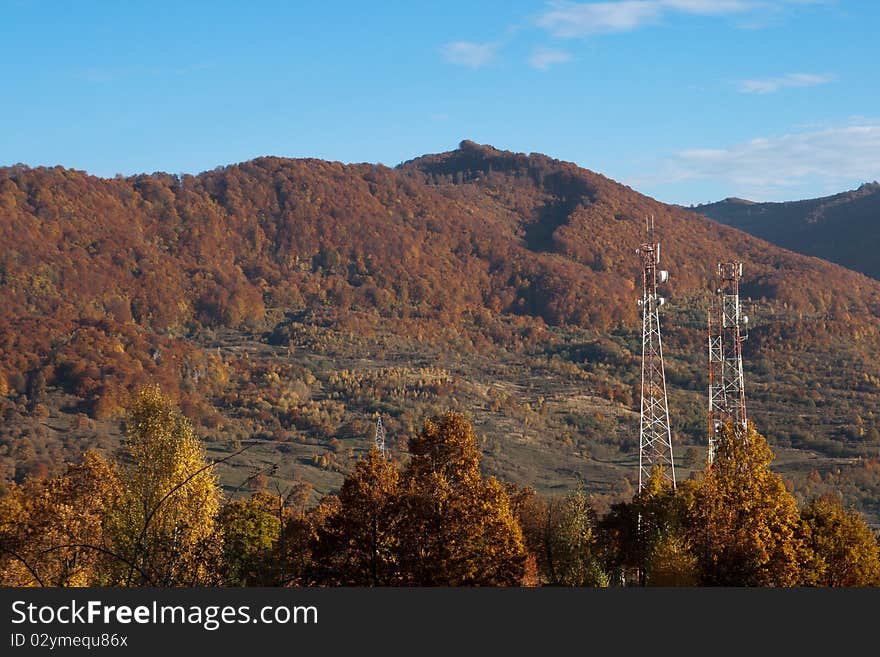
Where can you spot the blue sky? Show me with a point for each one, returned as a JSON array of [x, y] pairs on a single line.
[[686, 100]]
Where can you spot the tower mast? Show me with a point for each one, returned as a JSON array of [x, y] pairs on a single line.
[[379, 436], [727, 331], [655, 435]]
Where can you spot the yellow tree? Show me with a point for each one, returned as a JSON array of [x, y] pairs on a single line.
[[847, 553], [163, 527], [357, 545], [744, 524], [456, 528], [51, 532]]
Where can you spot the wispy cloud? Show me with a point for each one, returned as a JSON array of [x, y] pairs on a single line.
[[567, 19], [709, 7], [570, 19], [834, 154], [468, 53], [771, 85], [544, 58]]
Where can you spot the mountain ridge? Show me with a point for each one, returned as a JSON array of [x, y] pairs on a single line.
[[842, 228]]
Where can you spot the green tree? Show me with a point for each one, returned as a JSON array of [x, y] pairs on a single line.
[[574, 544], [563, 536], [647, 537], [251, 530], [456, 528], [846, 550], [163, 526], [744, 524]]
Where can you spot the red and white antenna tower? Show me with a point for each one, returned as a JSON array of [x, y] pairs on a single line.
[[728, 328], [655, 436]]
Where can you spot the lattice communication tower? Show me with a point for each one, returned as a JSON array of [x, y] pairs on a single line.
[[379, 436], [727, 329], [655, 435]]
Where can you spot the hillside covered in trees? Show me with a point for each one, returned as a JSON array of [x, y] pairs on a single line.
[[283, 303], [843, 228]]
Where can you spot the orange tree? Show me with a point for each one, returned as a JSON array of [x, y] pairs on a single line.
[[456, 528], [356, 545], [51, 531]]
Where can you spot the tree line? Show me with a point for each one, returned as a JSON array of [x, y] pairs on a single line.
[[157, 516]]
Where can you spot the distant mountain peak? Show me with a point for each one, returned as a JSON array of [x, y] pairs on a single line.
[[843, 228]]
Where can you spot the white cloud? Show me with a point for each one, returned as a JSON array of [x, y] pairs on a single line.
[[770, 85], [827, 156], [570, 19], [708, 7], [468, 53], [544, 58], [577, 19]]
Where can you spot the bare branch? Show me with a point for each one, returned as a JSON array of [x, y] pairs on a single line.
[[25, 563], [98, 548]]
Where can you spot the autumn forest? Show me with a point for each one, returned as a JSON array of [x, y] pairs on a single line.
[[191, 368]]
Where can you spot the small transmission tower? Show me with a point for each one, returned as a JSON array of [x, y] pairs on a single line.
[[379, 437], [727, 329], [655, 435]]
